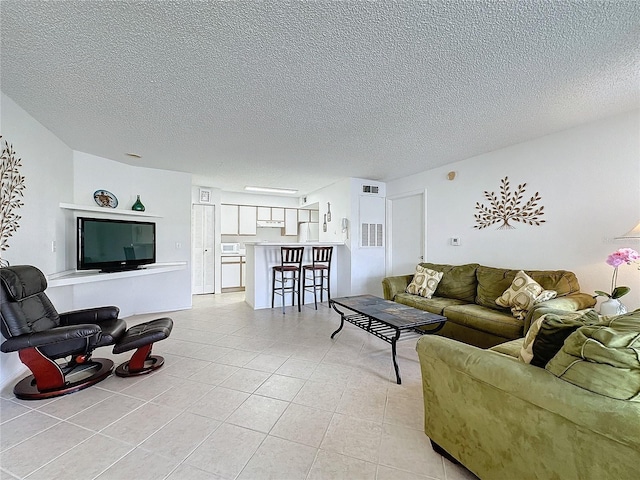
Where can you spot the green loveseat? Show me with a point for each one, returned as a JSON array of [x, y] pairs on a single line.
[[466, 295], [504, 419]]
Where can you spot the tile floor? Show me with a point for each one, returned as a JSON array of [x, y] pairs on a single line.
[[243, 395]]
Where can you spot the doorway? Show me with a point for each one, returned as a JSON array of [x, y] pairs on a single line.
[[407, 234], [202, 249]]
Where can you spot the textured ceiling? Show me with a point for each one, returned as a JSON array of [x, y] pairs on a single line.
[[301, 94]]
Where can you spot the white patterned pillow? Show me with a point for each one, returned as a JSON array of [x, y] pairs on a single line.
[[546, 295], [521, 295], [526, 352], [424, 283]]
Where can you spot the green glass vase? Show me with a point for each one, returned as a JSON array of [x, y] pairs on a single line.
[[138, 206]]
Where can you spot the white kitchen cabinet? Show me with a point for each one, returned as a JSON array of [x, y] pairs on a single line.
[[264, 213], [233, 272], [229, 219], [304, 215], [277, 213], [248, 220], [291, 221], [315, 216]]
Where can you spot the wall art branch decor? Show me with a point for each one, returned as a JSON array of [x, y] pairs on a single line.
[[508, 208], [12, 187]]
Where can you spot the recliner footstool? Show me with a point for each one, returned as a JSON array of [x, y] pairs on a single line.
[[142, 337]]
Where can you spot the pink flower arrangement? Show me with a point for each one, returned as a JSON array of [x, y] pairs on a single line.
[[617, 258]]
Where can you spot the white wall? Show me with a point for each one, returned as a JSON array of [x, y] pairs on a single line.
[[55, 174], [360, 270], [589, 181], [47, 165]]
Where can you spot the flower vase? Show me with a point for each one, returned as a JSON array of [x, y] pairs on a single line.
[[138, 206], [612, 306]]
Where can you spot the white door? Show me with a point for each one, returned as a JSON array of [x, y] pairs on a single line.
[[202, 251], [406, 219]]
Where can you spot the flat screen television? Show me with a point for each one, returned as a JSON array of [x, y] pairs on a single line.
[[115, 245]]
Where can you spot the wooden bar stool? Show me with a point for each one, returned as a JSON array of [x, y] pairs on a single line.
[[320, 270], [290, 262]]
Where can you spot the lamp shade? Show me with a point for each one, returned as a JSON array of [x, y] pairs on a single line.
[[633, 233]]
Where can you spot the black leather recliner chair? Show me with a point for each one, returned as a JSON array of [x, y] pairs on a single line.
[[41, 336]]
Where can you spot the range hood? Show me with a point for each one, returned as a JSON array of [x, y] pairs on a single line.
[[271, 223]]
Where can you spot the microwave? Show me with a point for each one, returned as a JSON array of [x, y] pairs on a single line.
[[230, 248]]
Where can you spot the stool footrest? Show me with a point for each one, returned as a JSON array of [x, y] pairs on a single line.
[[142, 337]]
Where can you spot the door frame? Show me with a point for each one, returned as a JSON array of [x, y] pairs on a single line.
[[389, 221]]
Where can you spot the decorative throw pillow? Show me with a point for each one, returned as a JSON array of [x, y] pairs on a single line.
[[545, 295], [526, 351], [553, 331], [424, 283], [603, 358], [521, 295]]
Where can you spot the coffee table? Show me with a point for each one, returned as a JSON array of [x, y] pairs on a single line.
[[386, 320]]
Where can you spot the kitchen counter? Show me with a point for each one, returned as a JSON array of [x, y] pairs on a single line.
[[262, 256]]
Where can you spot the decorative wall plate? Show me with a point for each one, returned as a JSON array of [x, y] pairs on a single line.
[[104, 198]]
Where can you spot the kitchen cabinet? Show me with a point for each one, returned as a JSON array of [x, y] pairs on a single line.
[[229, 219], [264, 213], [315, 216], [304, 215], [247, 220], [277, 213], [233, 272], [291, 221]]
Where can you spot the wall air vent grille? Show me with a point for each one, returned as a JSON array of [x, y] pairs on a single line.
[[372, 235], [370, 189]]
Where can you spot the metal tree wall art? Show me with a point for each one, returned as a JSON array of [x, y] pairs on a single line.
[[12, 188], [508, 208]]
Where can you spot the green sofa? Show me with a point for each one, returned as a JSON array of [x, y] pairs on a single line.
[[466, 295], [504, 419]]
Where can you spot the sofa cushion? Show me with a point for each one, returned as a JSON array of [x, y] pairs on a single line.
[[485, 320], [433, 304], [492, 282], [553, 329], [458, 281], [511, 348], [424, 282], [603, 358]]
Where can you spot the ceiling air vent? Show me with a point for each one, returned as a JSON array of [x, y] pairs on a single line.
[[369, 189]]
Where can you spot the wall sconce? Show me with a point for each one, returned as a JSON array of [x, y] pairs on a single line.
[[633, 233], [328, 212]]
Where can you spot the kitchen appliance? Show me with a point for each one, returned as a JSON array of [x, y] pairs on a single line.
[[270, 223], [308, 232], [230, 248]]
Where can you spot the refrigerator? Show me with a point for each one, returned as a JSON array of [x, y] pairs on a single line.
[[308, 232]]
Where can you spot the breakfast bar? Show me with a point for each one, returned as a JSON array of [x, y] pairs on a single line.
[[262, 256]]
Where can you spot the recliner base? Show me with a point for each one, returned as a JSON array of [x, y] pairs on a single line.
[[151, 363], [101, 368]]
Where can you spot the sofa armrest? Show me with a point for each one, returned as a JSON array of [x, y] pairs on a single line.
[[499, 417], [391, 286], [566, 303]]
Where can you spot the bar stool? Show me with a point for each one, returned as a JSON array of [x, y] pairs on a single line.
[[290, 261], [320, 270]]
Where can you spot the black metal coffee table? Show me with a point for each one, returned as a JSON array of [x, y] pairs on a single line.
[[386, 320]]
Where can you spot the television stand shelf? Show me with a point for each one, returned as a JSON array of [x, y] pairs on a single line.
[[74, 277], [108, 211]]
